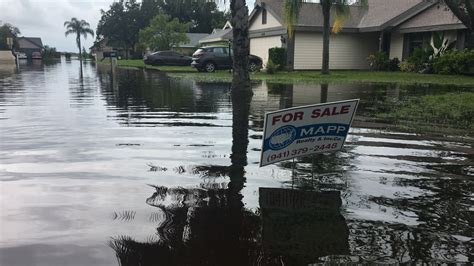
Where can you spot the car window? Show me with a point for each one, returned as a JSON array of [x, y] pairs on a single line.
[[220, 50], [175, 54]]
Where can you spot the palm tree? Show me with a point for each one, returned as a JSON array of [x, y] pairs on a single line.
[[79, 27], [341, 11]]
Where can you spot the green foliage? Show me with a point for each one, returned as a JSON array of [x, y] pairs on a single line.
[[7, 30], [406, 66], [272, 68], [419, 60], [164, 33], [381, 62], [277, 56], [121, 23], [203, 14], [378, 61], [441, 44], [50, 53], [451, 110], [454, 62], [394, 64]]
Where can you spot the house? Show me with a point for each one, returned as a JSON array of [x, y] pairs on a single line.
[[394, 27], [191, 46], [218, 36], [29, 45], [103, 47]]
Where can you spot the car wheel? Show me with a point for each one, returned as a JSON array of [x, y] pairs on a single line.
[[210, 67], [253, 67]]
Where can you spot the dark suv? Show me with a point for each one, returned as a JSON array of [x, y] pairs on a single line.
[[218, 57]]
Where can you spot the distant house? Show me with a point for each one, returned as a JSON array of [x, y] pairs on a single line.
[[218, 36], [29, 45], [103, 46], [191, 46], [394, 27]]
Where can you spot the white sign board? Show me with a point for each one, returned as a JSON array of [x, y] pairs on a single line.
[[306, 130]]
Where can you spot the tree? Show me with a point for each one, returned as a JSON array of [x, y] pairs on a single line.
[[78, 27], [120, 24], [463, 10], [341, 11], [7, 30], [164, 33], [241, 48], [204, 15]]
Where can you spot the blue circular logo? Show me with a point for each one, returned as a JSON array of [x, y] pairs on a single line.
[[282, 137]]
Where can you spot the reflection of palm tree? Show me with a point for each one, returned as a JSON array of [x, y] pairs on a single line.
[[78, 27]]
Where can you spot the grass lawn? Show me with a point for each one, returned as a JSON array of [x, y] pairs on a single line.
[[312, 76], [450, 110]]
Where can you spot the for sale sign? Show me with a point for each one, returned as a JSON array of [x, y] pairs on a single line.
[[306, 130]]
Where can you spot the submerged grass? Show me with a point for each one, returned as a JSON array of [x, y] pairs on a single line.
[[311, 76], [450, 110]]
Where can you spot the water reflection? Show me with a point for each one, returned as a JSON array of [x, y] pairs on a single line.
[[81, 173]]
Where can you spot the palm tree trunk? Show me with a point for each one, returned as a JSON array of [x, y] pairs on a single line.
[[241, 46], [326, 6], [78, 42]]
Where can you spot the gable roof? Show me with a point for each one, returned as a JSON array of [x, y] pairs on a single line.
[[29, 43], [194, 39], [379, 14], [435, 18], [222, 35]]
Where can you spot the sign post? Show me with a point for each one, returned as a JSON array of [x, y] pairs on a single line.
[[306, 130]]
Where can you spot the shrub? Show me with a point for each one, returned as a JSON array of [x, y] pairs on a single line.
[[272, 68], [378, 61], [420, 58], [454, 62], [406, 66], [277, 56], [394, 64]]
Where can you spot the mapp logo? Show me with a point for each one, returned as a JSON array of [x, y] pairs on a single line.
[[282, 137]]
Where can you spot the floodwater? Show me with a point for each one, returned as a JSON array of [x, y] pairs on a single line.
[[140, 169]]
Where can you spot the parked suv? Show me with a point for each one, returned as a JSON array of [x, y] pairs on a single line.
[[219, 57]]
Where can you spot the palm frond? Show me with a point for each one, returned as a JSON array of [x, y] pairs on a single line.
[[69, 31], [291, 12]]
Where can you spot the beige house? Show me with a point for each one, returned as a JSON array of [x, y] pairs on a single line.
[[394, 27]]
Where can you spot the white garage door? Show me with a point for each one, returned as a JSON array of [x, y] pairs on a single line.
[[260, 46]]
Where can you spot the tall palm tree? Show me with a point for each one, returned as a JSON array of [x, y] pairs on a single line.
[[341, 11], [78, 27]]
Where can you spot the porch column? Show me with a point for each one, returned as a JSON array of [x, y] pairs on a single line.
[[381, 41]]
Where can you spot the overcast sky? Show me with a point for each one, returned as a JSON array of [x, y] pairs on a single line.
[[45, 18]]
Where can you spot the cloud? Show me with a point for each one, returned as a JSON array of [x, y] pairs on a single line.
[[45, 18]]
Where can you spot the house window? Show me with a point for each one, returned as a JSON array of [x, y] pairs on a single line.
[[264, 16]]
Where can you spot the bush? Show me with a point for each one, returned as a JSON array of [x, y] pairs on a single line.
[[378, 61], [272, 68], [406, 66], [420, 58], [277, 56], [394, 64], [454, 62]]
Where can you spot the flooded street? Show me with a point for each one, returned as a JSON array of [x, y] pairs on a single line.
[[102, 169]]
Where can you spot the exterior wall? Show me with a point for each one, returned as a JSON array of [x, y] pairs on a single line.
[[6, 57], [396, 46], [260, 46], [256, 24], [347, 50]]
